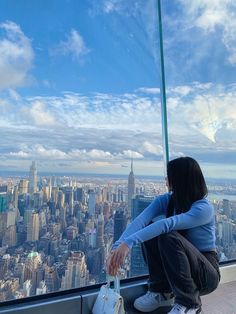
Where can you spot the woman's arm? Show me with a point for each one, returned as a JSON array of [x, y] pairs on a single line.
[[200, 213], [156, 208]]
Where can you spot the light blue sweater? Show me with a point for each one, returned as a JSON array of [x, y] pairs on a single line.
[[199, 222]]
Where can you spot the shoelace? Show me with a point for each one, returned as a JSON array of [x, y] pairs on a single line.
[[178, 307], [151, 294]]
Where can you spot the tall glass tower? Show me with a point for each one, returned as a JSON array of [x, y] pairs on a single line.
[[131, 188], [33, 178], [138, 266]]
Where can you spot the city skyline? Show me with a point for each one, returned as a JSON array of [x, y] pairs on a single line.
[[57, 231]]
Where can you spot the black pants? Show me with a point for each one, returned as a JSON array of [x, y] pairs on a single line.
[[175, 265]]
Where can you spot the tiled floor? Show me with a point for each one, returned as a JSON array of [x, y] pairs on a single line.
[[221, 301]]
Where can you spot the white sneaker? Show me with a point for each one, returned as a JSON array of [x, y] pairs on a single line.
[[152, 301], [181, 309]]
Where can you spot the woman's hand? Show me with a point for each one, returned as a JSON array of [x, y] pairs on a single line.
[[116, 259]]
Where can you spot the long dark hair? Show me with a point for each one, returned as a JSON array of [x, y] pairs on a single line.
[[186, 182]]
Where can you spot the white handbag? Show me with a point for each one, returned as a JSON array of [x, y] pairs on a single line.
[[109, 301]]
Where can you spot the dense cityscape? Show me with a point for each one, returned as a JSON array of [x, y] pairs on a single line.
[[56, 231]]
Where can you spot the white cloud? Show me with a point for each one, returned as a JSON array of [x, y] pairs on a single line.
[[182, 90], [174, 154], [112, 128], [204, 113], [128, 154], [155, 149], [211, 15], [92, 154], [104, 111], [202, 86], [101, 164], [110, 6], [118, 6], [20, 154], [149, 90], [74, 46], [16, 56], [39, 114], [14, 95], [39, 152]]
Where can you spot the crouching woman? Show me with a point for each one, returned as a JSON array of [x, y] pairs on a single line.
[[179, 249]]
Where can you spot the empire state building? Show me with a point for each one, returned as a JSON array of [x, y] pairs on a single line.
[[131, 189]]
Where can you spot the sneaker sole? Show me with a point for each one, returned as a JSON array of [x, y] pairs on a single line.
[[166, 303], [196, 312]]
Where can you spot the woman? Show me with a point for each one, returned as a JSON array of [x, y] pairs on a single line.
[[180, 249]]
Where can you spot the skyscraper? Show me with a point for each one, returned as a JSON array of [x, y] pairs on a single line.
[[131, 188], [42, 289], [23, 186], [33, 265], [60, 199], [227, 233], [33, 178], [100, 231], [79, 195], [9, 237], [3, 188], [4, 265], [76, 273], [226, 207], [138, 266], [54, 194], [120, 223], [33, 227], [15, 197], [51, 278], [3, 202], [91, 202]]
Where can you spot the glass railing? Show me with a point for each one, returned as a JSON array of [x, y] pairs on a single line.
[[81, 122], [81, 148], [200, 75]]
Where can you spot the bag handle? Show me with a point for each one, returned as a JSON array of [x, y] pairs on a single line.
[[116, 281]]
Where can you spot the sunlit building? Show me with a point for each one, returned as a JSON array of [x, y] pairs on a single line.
[[76, 273], [23, 186], [33, 227]]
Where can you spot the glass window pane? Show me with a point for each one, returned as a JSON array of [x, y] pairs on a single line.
[[200, 61], [79, 101]]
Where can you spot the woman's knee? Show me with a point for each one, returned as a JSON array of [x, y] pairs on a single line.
[[167, 239], [167, 236], [151, 243]]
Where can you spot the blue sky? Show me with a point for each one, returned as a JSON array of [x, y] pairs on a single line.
[[114, 55], [79, 85]]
